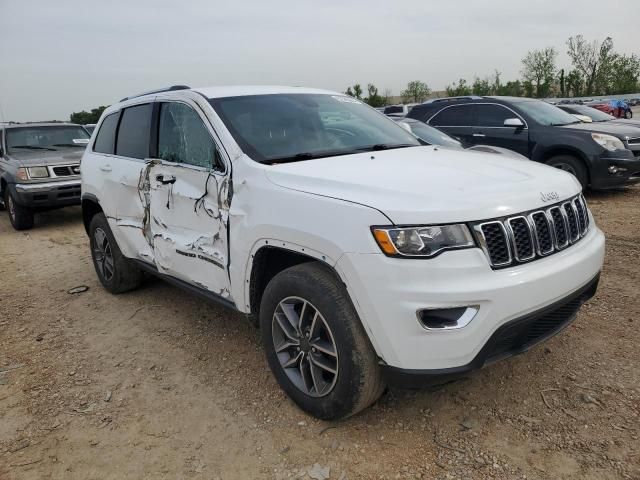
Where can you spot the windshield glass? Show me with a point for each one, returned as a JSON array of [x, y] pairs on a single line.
[[546, 114], [596, 115], [432, 136], [290, 127], [46, 137]]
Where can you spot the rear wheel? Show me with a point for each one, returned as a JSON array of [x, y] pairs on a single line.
[[116, 273], [21, 217], [572, 165], [315, 344]]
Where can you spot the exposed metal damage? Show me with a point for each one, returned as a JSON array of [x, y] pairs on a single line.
[[185, 223]]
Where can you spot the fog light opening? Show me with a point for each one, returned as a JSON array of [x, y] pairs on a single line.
[[447, 318]]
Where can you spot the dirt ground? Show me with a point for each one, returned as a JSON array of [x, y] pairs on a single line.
[[159, 384]]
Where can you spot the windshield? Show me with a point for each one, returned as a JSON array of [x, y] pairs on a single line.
[[546, 114], [46, 137], [432, 136], [291, 127], [595, 114]]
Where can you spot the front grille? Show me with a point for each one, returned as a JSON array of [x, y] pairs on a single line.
[[521, 238], [65, 170]]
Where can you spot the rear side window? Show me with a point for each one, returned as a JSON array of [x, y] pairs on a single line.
[[133, 134], [105, 140], [455, 116], [393, 109], [492, 115]]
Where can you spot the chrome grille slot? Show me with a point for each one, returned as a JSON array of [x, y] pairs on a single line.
[[544, 235], [64, 170], [559, 227], [522, 238], [496, 243], [577, 205], [572, 221]]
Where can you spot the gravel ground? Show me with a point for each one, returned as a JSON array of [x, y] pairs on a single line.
[[159, 384]]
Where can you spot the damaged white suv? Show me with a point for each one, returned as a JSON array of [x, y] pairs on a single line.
[[367, 257]]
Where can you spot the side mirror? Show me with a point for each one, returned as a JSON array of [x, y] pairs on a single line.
[[513, 122]]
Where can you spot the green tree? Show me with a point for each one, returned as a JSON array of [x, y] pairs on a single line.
[[622, 74], [591, 59], [539, 67], [416, 91], [458, 90], [374, 99], [386, 96], [357, 91], [349, 92], [481, 87], [563, 89], [528, 87], [85, 117], [575, 83]]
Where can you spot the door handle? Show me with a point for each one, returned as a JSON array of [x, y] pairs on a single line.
[[165, 180], [479, 135], [105, 167]]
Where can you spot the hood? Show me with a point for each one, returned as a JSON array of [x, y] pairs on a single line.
[[62, 156], [617, 129], [422, 185], [626, 121]]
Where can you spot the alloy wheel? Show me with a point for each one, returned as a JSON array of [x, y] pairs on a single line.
[[305, 346], [102, 254]]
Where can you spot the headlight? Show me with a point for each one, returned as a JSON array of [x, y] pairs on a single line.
[[38, 172], [609, 142], [425, 241], [21, 174]]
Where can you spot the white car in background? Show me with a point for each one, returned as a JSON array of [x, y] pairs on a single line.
[[366, 257]]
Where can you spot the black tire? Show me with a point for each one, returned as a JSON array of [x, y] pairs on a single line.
[[119, 274], [21, 217], [358, 381], [573, 165]]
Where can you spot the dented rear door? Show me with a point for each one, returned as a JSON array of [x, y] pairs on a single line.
[[187, 191]]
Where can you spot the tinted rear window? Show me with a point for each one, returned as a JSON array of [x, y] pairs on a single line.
[[133, 134], [455, 116], [393, 109], [106, 137]]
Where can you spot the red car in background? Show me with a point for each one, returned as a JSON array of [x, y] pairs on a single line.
[[617, 108]]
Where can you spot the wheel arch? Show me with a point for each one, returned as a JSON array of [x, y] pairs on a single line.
[[90, 207], [551, 152], [270, 258]]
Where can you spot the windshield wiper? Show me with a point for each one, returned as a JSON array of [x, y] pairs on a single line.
[[307, 156], [384, 146], [31, 147], [69, 145]]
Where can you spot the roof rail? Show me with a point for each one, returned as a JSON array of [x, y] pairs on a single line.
[[451, 99], [160, 90]]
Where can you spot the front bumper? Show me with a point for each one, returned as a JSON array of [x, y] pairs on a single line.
[[627, 164], [47, 194], [387, 293], [512, 338]]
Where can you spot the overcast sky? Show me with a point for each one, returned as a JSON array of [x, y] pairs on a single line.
[[60, 56]]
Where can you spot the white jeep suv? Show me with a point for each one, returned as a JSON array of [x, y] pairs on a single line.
[[366, 257]]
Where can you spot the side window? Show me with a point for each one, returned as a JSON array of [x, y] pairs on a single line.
[[133, 134], [455, 116], [492, 115], [183, 138], [105, 140]]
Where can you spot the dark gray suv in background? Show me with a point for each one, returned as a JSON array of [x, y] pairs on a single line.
[[598, 155], [39, 168]]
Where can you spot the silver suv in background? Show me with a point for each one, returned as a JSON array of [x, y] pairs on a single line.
[[39, 168]]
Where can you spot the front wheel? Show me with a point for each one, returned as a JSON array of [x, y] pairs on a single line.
[[21, 217], [315, 344], [116, 273], [571, 165]]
